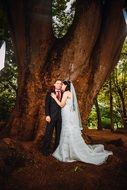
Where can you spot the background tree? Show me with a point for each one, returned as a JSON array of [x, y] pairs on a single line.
[[99, 122], [8, 75], [111, 103], [113, 96], [120, 83]]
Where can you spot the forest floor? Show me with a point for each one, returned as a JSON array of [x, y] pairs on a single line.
[[22, 166]]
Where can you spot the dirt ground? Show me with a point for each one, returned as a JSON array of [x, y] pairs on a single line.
[[46, 173]]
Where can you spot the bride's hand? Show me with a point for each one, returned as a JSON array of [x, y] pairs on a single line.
[[53, 95]]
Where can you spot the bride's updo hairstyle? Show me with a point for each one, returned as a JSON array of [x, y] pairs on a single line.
[[68, 85]]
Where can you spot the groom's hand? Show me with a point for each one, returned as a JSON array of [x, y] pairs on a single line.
[[48, 119]]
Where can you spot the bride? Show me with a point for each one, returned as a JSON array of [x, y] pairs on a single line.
[[72, 146]]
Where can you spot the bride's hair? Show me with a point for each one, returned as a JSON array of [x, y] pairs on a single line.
[[68, 85]]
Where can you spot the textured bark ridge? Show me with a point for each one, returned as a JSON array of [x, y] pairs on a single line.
[[86, 55], [31, 24]]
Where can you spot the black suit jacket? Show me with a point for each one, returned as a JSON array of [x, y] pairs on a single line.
[[51, 107]]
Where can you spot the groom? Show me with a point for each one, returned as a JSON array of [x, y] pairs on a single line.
[[53, 118]]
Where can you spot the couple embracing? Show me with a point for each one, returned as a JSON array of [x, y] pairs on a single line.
[[62, 114]]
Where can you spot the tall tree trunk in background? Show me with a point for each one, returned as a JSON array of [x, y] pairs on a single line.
[[120, 90], [124, 111], [111, 104], [86, 55], [99, 123]]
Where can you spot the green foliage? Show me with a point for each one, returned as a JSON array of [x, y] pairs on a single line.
[[8, 83], [62, 17], [106, 123], [3, 25], [6, 105], [92, 120], [8, 75], [119, 84]]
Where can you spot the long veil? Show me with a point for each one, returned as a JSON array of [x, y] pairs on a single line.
[[75, 107]]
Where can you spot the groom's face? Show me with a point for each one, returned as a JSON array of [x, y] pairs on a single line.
[[58, 85]]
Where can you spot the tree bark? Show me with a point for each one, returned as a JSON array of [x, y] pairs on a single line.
[[86, 55], [105, 55], [31, 26]]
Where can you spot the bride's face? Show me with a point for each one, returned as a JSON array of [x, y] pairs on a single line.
[[63, 87]]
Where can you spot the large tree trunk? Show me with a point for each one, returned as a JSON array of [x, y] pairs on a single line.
[[104, 56], [31, 26], [86, 55]]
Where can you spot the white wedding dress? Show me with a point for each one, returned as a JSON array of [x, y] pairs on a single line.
[[72, 146]]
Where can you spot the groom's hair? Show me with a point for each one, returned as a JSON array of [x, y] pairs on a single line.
[[58, 80]]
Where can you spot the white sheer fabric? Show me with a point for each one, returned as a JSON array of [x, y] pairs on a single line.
[[2, 55], [74, 106], [72, 146]]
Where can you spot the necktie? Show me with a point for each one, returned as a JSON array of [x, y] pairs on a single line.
[[58, 95]]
